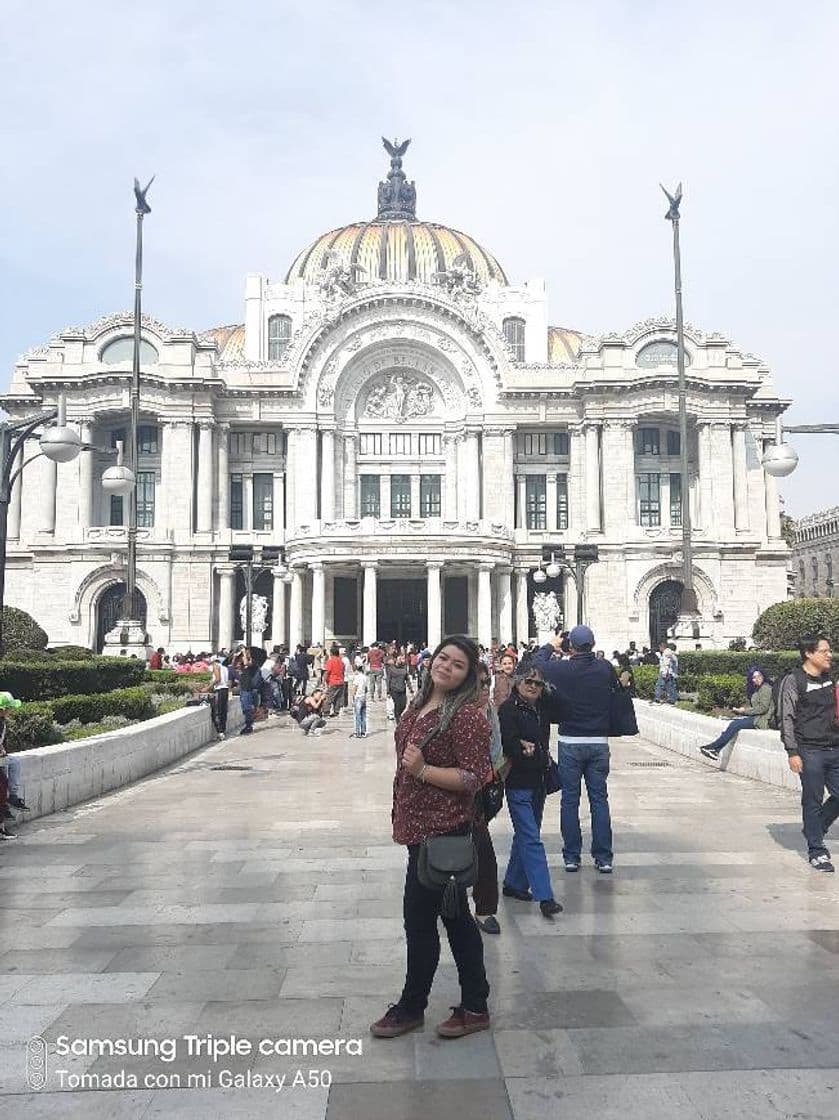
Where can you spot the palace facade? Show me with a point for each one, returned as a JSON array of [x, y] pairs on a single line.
[[404, 440]]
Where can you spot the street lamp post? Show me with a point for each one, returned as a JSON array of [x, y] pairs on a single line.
[[689, 603], [60, 444]]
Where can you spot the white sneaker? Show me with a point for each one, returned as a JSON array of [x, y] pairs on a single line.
[[221, 736], [604, 868]]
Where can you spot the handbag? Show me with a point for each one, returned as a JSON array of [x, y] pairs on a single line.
[[622, 719], [447, 864], [552, 780], [492, 797]]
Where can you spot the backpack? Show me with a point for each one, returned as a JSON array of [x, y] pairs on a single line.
[[775, 710]]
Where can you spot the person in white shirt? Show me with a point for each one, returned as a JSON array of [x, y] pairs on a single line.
[[359, 688], [220, 692], [348, 673]]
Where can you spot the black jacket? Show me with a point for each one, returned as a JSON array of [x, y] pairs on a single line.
[[519, 721], [582, 687]]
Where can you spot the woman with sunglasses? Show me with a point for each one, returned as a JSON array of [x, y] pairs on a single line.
[[525, 733], [485, 890]]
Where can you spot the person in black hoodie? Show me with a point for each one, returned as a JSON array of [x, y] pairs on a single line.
[[582, 687], [524, 736], [810, 734]]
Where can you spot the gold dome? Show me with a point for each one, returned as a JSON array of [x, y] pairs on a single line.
[[394, 250]]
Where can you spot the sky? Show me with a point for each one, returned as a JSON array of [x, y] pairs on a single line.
[[542, 129]]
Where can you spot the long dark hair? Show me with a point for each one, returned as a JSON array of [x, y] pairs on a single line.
[[467, 693]]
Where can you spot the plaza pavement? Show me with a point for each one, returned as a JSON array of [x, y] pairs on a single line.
[[700, 981]]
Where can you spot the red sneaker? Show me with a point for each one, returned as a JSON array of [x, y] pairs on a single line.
[[395, 1021], [462, 1022]]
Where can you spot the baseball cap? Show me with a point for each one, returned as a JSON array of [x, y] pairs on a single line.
[[8, 701], [581, 636]]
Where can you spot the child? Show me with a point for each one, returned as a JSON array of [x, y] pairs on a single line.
[[359, 688]]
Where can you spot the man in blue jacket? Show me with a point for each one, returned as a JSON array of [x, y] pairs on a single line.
[[582, 686]]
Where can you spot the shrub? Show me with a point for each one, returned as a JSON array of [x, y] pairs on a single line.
[[721, 690], [70, 653], [48, 679], [176, 684], [31, 726], [781, 625], [21, 631], [646, 676], [699, 663], [132, 703]]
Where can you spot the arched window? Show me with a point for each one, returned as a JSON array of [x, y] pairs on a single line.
[[121, 352], [279, 334], [514, 334]]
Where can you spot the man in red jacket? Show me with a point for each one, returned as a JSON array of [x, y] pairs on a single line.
[[333, 676], [375, 669]]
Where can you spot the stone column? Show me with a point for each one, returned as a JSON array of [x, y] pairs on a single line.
[[415, 495], [318, 602], [384, 496], [369, 619], [48, 483], [494, 478], [473, 480], [593, 522], [295, 636], [247, 500], [618, 469], [223, 481], [521, 515], [522, 618], [278, 611], [722, 468], [505, 604], [327, 476], [773, 505], [85, 480], [451, 445], [509, 477], [351, 477], [226, 595], [706, 487], [550, 500], [435, 603], [290, 456], [485, 604], [741, 478], [576, 478], [570, 600], [305, 475], [177, 475], [15, 499], [204, 510]]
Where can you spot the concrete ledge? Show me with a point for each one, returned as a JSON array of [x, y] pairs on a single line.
[[57, 777], [751, 754]]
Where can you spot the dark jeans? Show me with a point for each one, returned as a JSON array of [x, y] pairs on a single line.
[[249, 699], [218, 709], [821, 768], [289, 686], [589, 761], [400, 699], [744, 723], [375, 676], [334, 696], [485, 890], [669, 687], [421, 909]]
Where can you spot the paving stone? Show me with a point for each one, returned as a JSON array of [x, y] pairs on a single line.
[[612, 1098], [467, 1100]]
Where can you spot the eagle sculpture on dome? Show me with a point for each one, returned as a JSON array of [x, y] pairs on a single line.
[[395, 150]]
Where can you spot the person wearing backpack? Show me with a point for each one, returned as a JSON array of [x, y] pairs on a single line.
[[810, 734], [759, 690]]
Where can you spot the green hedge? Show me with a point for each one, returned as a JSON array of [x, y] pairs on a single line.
[[723, 690], [702, 662], [68, 653], [31, 726], [179, 682], [782, 625], [133, 703], [646, 675], [43, 680], [21, 631]]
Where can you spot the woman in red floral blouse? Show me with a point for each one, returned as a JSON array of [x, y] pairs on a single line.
[[433, 795]]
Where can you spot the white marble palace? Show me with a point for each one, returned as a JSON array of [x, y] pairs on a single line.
[[404, 441]]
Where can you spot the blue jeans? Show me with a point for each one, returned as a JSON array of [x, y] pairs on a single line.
[[360, 709], [669, 687], [821, 768], [589, 761], [528, 864], [744, 723], [249, 699]]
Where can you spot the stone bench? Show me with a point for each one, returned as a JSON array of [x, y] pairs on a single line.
[[57, 777], [751, 754]]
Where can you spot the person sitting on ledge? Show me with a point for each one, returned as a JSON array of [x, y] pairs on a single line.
[[759, 690]]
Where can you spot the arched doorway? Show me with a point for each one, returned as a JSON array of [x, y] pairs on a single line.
[[665, 600], [109, 610]]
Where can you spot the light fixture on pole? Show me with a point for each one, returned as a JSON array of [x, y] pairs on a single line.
[[60, 443], [539, 575], [553, 569], [779, 458], [689, 604], [118, 480]]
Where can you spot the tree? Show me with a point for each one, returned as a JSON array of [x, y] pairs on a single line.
[[783, 624], [21, 631]]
